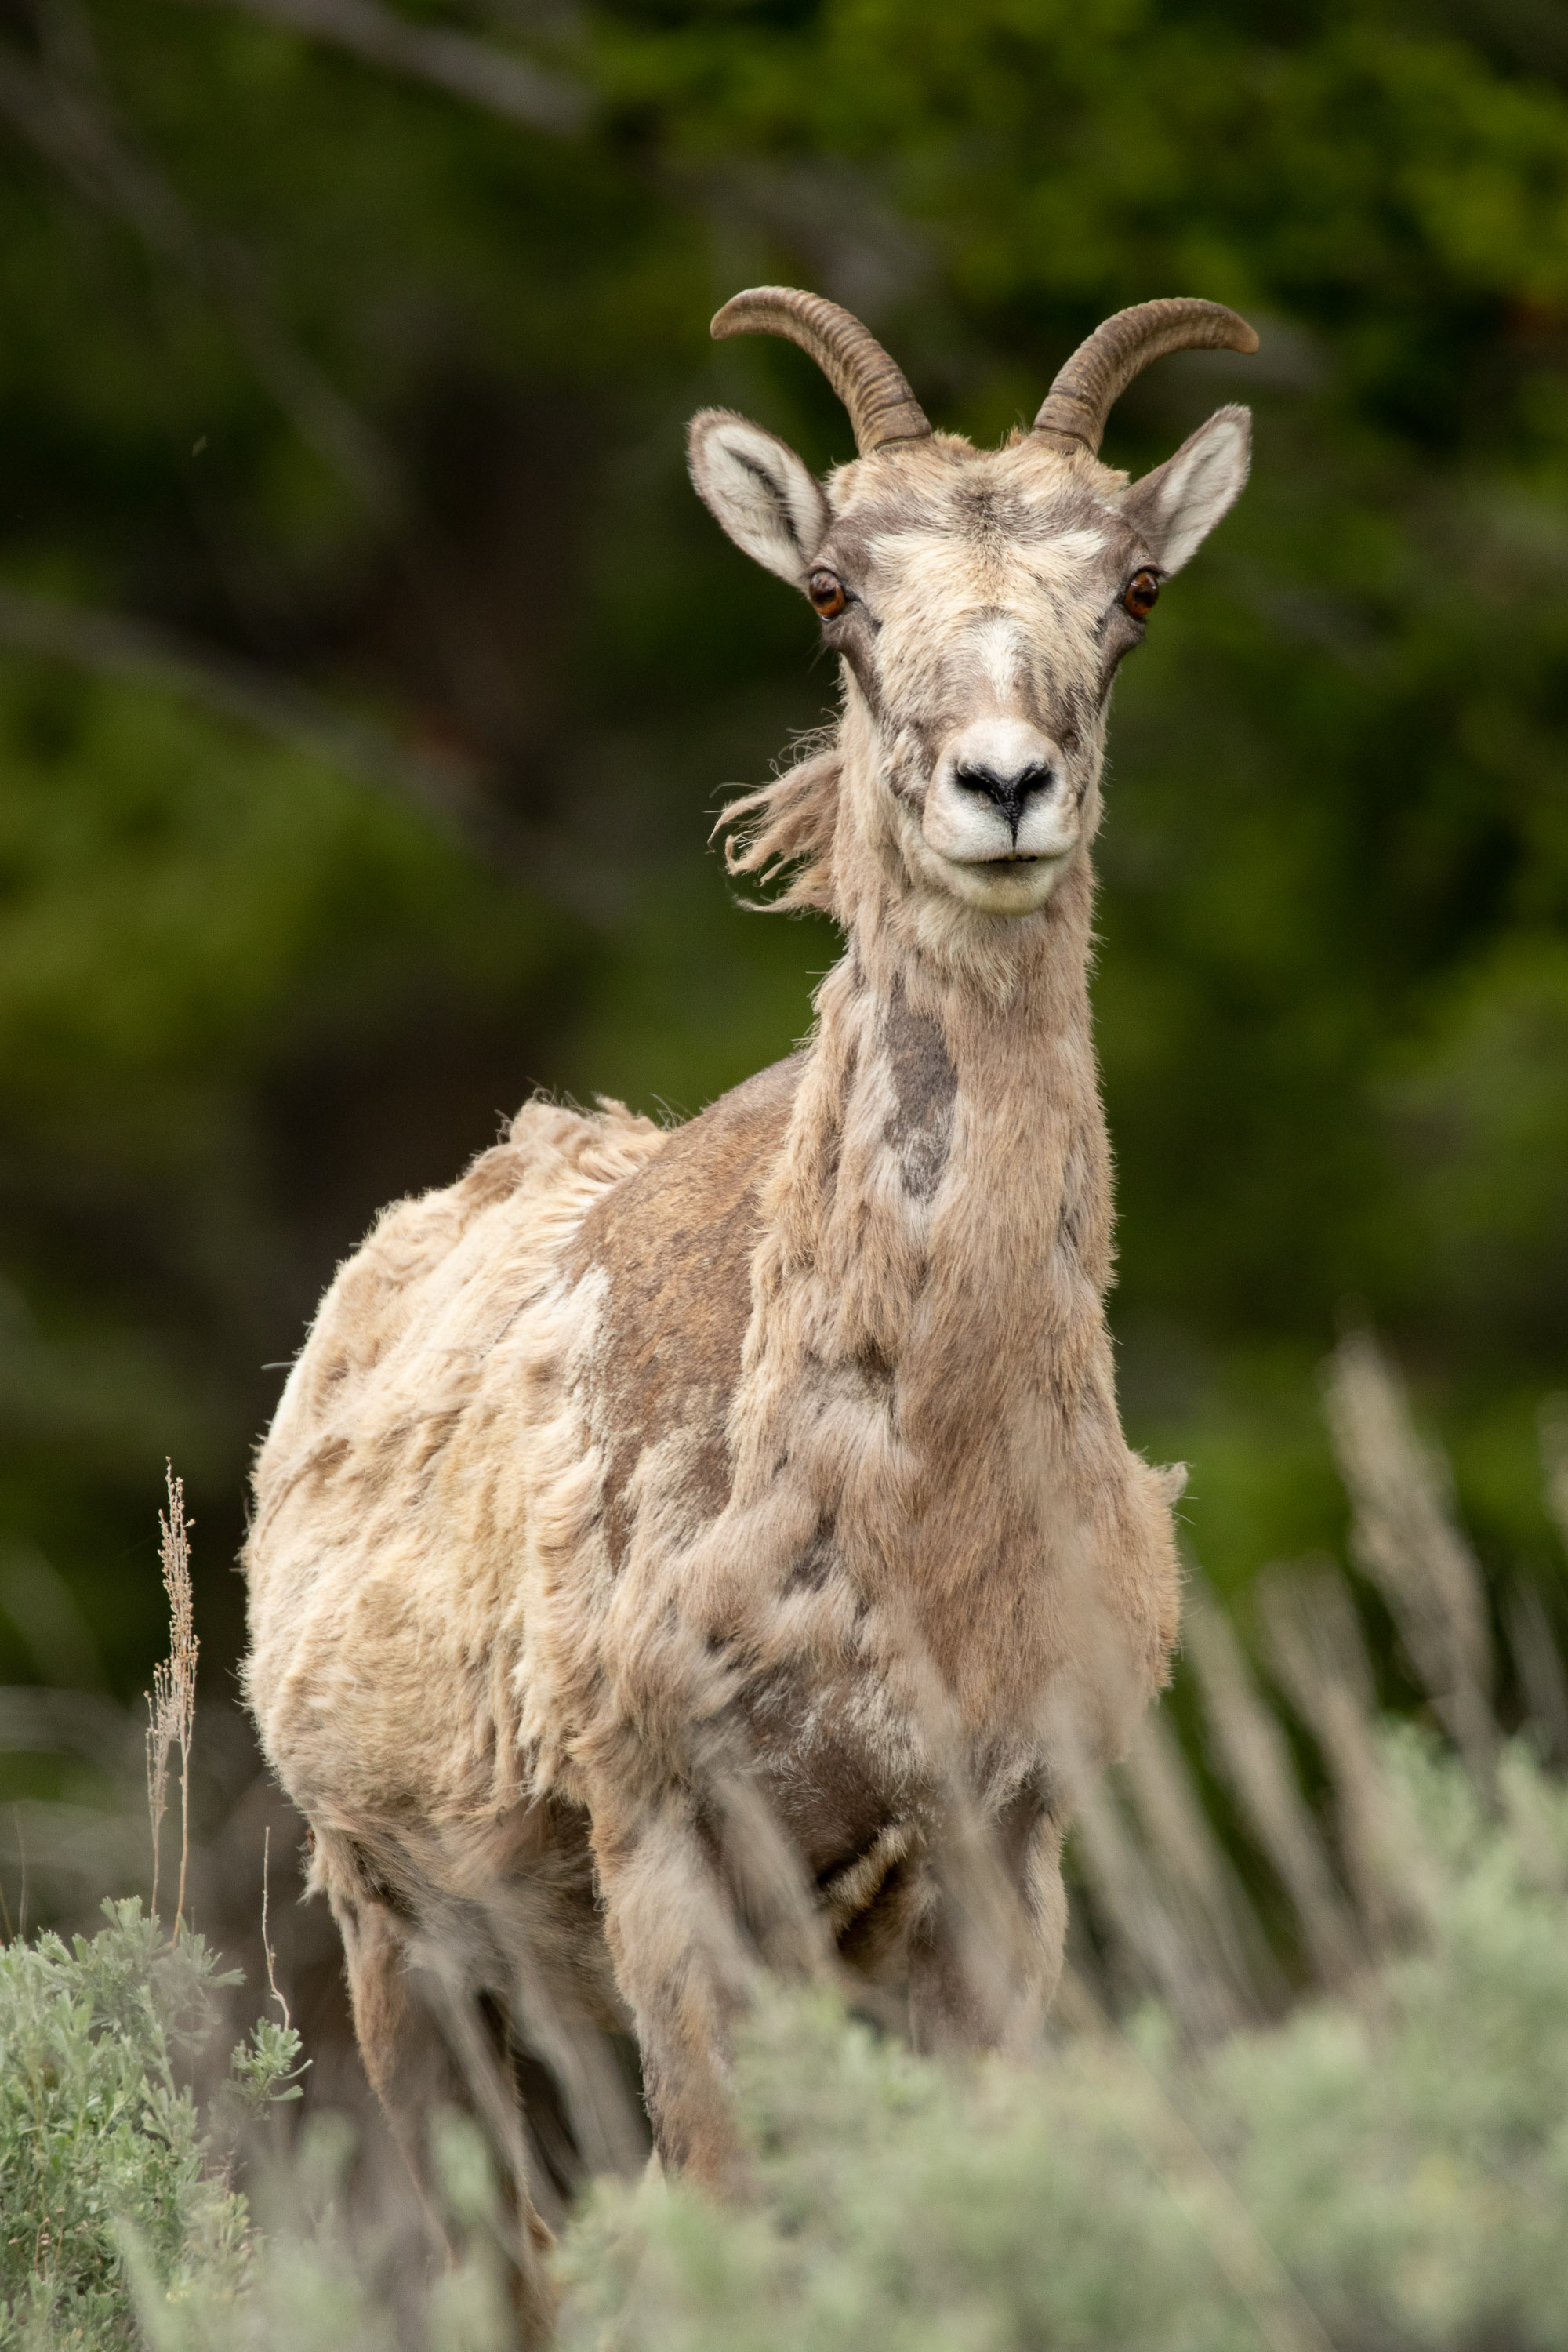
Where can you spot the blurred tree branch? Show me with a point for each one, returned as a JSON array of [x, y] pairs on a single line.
[[455, 62], [113, 643], [448, 789], [60, 109]]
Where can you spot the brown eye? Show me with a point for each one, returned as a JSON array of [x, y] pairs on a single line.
[[827, 593], [1140, 595]]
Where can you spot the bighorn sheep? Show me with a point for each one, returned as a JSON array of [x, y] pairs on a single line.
[[650, 1487]]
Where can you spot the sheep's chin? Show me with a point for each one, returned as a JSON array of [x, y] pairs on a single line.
[[1003, 886]]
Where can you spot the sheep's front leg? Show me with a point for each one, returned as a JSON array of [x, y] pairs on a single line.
[[685, 1965], [986, 1955]]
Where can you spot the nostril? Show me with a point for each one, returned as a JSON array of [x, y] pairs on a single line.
[[984, 781], [1007, 794], [1005, 788]]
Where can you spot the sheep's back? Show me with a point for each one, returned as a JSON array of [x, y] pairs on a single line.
[[393, 1492]]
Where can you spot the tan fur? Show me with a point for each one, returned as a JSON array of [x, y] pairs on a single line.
[[751, 1499]]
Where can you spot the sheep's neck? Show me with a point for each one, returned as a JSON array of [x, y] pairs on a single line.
[[943, 1207]]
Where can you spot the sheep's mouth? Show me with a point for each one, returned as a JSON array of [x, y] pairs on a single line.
[[1015, 882], [1014, 857]]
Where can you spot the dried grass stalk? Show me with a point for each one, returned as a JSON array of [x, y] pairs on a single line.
[[172, 1702], [1128, 1904], [1314, 1646], [1250, 1750], [1538, 1662], [1204, 1894], [1405, 1537]]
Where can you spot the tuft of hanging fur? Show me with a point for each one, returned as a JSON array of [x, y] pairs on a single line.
[[783, 832]]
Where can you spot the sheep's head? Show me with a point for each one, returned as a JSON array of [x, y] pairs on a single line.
[[980, 600]]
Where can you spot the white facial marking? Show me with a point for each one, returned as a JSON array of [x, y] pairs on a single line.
[[1002, 813], [997, 654]]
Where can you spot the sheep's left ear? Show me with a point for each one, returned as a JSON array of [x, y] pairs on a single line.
[[1174, 509]]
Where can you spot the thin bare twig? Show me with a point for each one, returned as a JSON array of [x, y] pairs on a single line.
[[111, 642], [446, 788], [265, 1944], [473, 70]]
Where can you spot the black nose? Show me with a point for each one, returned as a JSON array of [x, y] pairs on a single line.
[[1007, 794]]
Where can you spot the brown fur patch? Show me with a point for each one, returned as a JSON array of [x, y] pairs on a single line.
[[676, 1241]]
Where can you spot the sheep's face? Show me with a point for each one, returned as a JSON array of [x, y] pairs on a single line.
[[980, 604]]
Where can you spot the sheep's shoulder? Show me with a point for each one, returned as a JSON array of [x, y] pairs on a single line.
[[672, 1248]]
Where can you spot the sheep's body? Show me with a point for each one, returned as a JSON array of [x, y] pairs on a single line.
[[602, 1452], [674, 1542]]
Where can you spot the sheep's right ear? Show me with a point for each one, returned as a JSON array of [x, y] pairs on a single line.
[[1174, 509], [767, 499]]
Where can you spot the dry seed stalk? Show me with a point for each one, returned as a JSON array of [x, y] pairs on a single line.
[[172, 1702], [1406, 1539], [1251, 1752], [1313, 1642], [1205, 1896]]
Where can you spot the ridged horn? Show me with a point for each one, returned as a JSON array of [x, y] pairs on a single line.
[[1073, 412], [881, 407]]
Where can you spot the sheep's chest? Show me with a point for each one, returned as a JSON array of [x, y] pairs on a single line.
[[855, 1789], [834, 1764]]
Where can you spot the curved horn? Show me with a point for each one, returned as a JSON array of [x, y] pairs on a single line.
[[881, 407], [1073, 412]]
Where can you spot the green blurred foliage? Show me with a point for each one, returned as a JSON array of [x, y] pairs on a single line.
[[383, 396], [1386, 2169], [1389, 2173]]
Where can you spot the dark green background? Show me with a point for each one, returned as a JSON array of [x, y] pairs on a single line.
[[334, 376]]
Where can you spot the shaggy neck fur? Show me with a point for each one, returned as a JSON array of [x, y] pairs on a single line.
[[937, 1244]]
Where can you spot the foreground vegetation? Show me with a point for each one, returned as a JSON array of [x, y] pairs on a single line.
[[1390, 2168], [107, 2169], [1304, 2087], [366, 668]]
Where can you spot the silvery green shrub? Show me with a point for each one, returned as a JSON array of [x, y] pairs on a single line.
[[106, 2163], [1385, 2172]]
